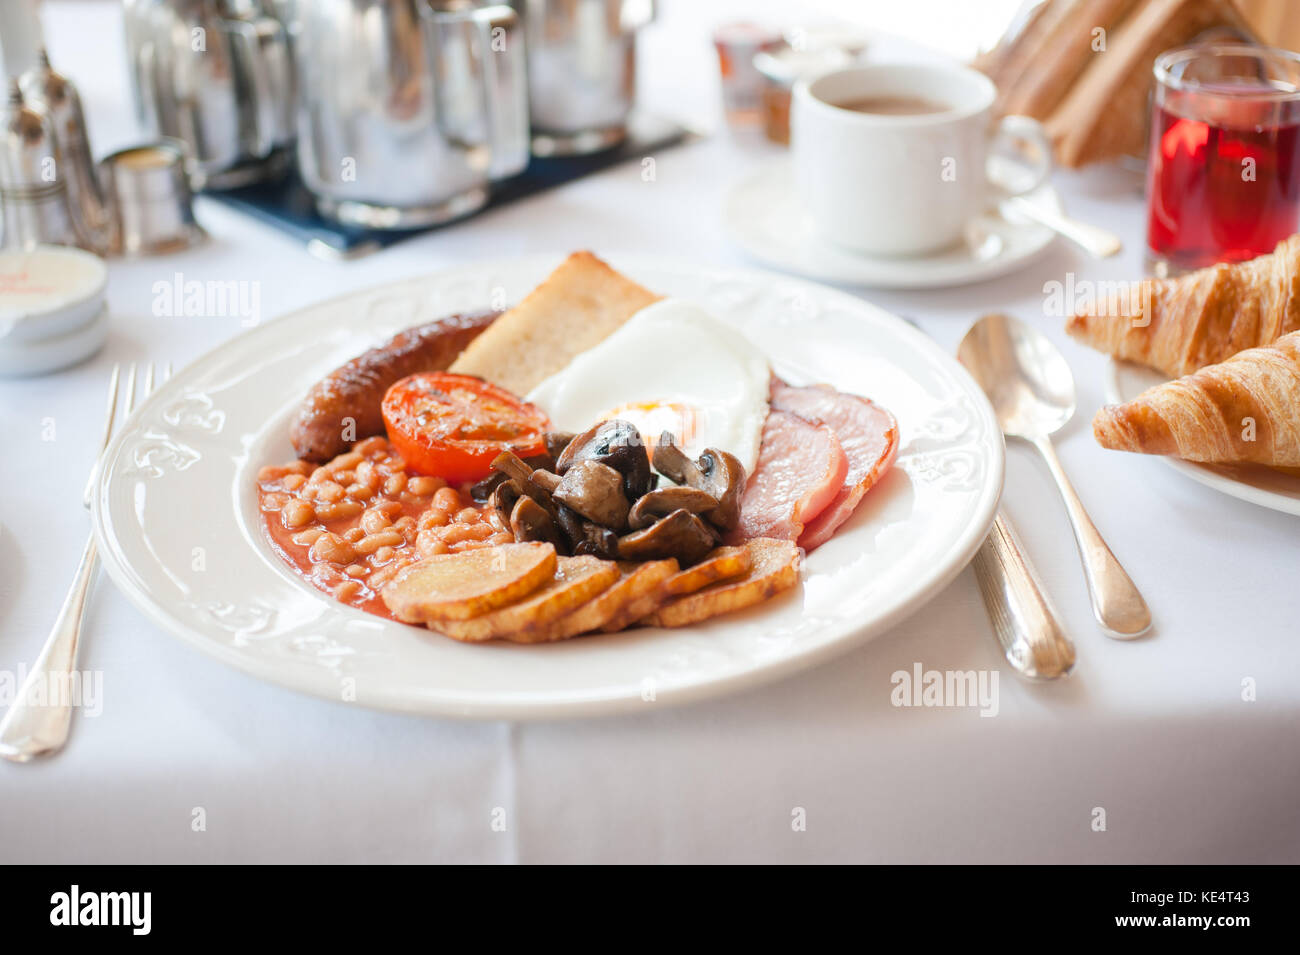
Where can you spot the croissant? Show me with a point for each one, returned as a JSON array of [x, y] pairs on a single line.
[[1182, 324], [1245, 409]]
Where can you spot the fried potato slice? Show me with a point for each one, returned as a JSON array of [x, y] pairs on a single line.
[[774, 567], [723, 563], [466, 585], [642, 585], [645, 603], [576, 580]]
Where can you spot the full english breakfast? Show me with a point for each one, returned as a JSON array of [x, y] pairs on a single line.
[[595, 458]]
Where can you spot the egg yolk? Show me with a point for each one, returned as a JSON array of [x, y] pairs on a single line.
[[652, 418]]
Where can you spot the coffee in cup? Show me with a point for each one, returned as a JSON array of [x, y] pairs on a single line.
[[890, 159]]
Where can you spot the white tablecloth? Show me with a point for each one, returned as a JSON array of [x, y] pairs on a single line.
[[1156, 732]]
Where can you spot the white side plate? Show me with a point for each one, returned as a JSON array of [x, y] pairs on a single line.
[[1267, 487], [178, 526]]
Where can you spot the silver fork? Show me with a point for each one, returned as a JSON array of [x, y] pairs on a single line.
[[37, 723]]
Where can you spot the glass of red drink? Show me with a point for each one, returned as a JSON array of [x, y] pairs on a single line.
[[1223, 174]]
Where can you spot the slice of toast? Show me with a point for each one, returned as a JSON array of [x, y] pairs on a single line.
[[578, 306]]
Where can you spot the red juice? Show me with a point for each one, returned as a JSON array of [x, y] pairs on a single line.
[[1222, 190]]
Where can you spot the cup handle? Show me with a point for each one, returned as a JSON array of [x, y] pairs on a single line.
[[1019, 144], [505, 76]]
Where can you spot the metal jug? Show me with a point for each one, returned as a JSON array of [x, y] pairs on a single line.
[[217, 75], [408, 110], [581, 70]]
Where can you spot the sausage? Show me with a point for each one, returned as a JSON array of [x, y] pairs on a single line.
[[344, 406]]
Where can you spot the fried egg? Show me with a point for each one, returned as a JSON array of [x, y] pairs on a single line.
[[670, 367]]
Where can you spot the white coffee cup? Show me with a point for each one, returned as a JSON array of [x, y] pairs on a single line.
[[899, 184]]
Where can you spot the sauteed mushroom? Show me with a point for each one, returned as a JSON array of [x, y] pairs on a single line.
[[602, 484], [617, 444], [571, 525], [724, 479], [504, 497], [547, 480], [598, 542], [672, 462], [482, 491], [586, 537], [530, 522], [595, 491], [659, 503], [681, 534], [556, 442], [509, 463], [717, 473]]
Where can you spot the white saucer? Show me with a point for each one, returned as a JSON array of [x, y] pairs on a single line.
[[24, 358], [766, 219], [1268, 487]]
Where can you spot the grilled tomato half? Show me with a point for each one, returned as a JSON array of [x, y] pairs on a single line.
[[452, 426]]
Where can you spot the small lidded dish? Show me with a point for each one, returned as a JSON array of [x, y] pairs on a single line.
[[52, 311]]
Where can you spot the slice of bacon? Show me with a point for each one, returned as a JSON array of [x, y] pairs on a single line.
[[867, 433], [801, 468]]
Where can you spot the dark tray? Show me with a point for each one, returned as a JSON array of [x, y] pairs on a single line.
[[288, 206]]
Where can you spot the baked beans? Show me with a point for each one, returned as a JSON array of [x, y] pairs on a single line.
[[348, 526]]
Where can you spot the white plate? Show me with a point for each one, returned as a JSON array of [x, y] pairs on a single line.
[[764, 216], [177, 521], [1266, 487]]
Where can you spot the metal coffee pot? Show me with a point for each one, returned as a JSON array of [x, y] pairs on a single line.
[[407, 110], [218, 76], [581, 71]]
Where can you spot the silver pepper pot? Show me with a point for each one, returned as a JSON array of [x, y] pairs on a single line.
[[33, 190], [55, 96]]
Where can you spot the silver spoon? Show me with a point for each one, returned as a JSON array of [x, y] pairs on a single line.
[[1032, 392], [1009, 175], [1098, 242]]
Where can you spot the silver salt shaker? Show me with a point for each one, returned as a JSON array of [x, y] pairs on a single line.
[[33, 190], [149, 186]]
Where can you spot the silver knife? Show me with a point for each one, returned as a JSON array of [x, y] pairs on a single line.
[[1024, 623]]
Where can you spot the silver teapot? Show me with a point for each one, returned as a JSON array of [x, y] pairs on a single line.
[[408, 110], [217, 75], [581, 71]]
